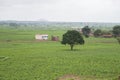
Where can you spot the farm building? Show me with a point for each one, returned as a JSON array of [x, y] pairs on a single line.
[[41, 37], [107, 36]]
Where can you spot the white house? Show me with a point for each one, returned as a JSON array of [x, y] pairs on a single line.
[[41, 36]]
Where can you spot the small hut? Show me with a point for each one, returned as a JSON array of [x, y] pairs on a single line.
[[107, 36], [41, 37]]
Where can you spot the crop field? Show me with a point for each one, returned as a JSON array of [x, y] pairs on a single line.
[[24, 58]]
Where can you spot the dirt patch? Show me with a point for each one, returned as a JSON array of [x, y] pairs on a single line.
[[69, 77]]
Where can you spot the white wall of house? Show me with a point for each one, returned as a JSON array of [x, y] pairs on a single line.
[[41, 36]]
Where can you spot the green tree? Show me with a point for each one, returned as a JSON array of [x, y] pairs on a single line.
[[86, 31], [116, 30], [72, 37], [97, 33]]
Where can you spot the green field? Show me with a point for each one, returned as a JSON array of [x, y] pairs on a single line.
[[24, 58]]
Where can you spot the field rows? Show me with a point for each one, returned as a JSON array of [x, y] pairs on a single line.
[[23, 58]]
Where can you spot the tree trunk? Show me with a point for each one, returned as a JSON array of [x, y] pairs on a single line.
[[71, 46]]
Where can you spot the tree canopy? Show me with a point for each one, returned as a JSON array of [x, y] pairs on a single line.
[[97, 33], [72, 37], [86, 31], [116, 30]]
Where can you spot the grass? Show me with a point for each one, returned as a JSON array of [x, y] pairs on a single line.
[[23, 58]]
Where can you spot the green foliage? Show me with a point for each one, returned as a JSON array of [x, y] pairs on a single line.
[[72, 37], [106, 32], [116, 30], [86, 31], [97, 33], [118, 39]]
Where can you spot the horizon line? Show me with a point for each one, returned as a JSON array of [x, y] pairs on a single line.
[[61, 21]]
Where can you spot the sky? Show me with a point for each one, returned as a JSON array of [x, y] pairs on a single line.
[[61, 10]]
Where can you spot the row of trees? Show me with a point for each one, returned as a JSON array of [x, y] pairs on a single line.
[[73, 37], [97, 33]]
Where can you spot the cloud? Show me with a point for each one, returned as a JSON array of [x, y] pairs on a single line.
[[25, 2], [61, 10]]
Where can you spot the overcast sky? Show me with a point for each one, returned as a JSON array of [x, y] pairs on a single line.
[[61, 10]]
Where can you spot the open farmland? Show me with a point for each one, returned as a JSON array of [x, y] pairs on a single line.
[[24, 58]]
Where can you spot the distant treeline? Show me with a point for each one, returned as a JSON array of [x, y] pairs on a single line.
[[35, 25]]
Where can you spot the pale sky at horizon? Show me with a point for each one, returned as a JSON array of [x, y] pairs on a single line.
[[61, 10]]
